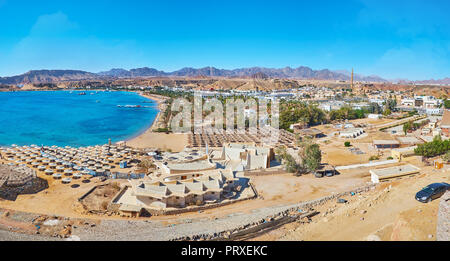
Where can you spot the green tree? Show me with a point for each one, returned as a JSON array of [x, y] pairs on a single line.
[[434, 148], [447, 104], [310, 154], [313, 157], [391, 104], [288, 161], [407, 126]]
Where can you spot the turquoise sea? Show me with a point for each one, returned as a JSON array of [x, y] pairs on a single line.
[[64, 118]]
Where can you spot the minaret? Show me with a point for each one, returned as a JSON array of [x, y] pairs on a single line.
[[352, 80]]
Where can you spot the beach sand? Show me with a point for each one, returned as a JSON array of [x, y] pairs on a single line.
[[149, 139], [162, 141]]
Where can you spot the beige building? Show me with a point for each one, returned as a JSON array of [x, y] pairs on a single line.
[[250, 157], [174, 192], [401, 153], [377, 175]]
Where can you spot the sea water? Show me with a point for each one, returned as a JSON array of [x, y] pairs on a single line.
[[64, 118]]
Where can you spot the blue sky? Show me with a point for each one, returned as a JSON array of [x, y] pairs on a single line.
[[392, 39]]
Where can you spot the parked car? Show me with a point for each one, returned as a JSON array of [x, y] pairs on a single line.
[[318, 175], [432, 191]]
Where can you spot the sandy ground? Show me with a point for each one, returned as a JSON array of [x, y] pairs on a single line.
[[335, 153], [149, 139], [61, 199], [389, 212], [58, 199]]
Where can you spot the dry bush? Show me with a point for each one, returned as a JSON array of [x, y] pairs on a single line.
[[115, 185], [104, 205]]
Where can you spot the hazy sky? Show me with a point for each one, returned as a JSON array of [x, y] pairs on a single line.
[[392, 39]]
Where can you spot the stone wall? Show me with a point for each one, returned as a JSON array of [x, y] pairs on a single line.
[[443, 221], [273, 220], [264, 172], [31, 187]]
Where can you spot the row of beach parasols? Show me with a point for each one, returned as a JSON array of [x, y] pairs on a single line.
[[69, 161]]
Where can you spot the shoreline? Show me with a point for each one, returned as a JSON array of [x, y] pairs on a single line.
[[152, 124], [158, 101], [156, 140]]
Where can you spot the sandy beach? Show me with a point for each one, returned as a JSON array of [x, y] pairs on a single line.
[[163, 141]]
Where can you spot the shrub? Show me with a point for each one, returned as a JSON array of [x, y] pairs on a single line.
[[374, 158], [347, 144], [446, 156], [162, 130], [115, 185], [105, 205], [390, 158]]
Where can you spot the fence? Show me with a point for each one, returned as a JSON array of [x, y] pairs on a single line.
[[118, 175]]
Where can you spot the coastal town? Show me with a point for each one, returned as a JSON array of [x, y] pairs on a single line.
[[347, 164], [225, 129]]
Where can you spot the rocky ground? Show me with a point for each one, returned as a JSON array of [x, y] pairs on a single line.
[[197, 228], [388, 213]]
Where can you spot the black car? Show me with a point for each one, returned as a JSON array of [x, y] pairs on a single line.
[[432, 191]]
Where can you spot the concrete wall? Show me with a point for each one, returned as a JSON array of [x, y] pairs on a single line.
[[210, 196], [176, 202], [148, 201], [263, 223], [370, 164]]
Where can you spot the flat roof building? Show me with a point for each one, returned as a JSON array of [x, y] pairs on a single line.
[[386, 144], [351, 133], [403, 152], [310, 132], [409, 141], [378, 175]]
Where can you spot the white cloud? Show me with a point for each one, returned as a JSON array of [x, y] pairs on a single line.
[[52, 25]]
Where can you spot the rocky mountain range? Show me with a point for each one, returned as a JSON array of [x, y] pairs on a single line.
[[302, 72], [48, 76], [432, 81]]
